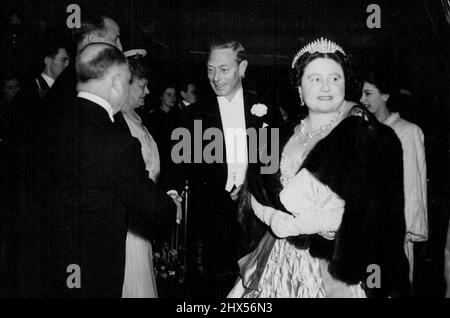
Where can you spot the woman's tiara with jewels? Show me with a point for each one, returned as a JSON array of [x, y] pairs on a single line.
[[322, 46]]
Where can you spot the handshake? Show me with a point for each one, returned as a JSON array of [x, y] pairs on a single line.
[[177, 199]]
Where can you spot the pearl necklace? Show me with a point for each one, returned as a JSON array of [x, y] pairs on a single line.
[[300, 131]]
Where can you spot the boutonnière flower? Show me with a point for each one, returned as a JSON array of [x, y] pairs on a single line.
[[259, 110]]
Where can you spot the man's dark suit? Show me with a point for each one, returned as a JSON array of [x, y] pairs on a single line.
[[31, 92], [34, 90], [96, 188], [26, 117], [213, 213], [26, 107]]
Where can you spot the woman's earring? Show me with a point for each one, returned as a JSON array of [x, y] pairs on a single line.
[[302, 103]]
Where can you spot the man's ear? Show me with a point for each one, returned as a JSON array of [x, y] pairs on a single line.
[[243, 68], [92, 38], [47, 61], [116, 83], [385, 97]]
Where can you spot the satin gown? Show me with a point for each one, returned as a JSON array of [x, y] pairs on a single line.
[[139, 280]]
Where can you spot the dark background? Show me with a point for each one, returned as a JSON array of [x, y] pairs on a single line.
[[412, 41], [412, 44]]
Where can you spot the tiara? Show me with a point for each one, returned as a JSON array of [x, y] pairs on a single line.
[[322, 46]]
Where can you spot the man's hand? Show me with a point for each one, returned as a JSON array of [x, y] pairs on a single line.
[[235, 194], [177, 200], [174, 195]]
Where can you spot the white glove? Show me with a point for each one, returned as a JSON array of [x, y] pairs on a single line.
[[285, 225], [324, 221], [316, 208], [264, 213], [281, 223]]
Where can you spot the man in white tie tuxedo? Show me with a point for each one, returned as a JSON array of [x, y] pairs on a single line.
[[215, 186]]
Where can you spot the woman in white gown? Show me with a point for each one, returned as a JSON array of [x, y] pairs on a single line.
[[376, 97], [329, 163], [139, 280]]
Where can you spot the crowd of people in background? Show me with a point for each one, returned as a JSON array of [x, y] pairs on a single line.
[[88, 174]]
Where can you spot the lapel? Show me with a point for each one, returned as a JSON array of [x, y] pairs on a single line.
[[252, 120], [212, 115], [42, 87], [249, 118], [43, 83], [213, 118]]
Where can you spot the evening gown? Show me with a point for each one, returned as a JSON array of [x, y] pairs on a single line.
[[291, 272], [139, 280]]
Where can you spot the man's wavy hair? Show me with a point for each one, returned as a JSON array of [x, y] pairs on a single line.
[[236, 46]]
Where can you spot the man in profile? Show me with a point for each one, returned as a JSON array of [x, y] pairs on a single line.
[[94, 29], [188, 93], [94, 188]]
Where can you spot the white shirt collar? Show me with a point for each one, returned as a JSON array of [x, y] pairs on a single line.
[[99, 101], [237, 99], [185, 103], [48, 79]]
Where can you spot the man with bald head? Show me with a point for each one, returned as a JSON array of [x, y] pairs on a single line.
[[97, 187], [103, 70], [101, 29]]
